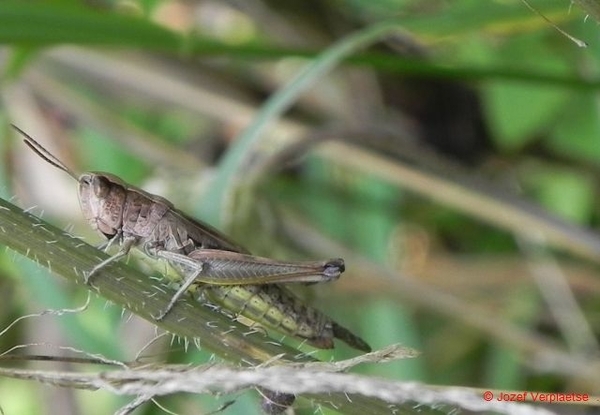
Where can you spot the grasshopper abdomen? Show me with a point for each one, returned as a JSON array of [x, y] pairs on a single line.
[[276, 308]]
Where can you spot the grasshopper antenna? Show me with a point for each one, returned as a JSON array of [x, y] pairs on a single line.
[[43, 153]]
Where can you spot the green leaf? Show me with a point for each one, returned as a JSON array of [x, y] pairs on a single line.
[[568, 194], [577, 129], [519, 111], [41, 24]]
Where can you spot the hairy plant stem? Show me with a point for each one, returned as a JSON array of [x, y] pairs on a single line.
[[146, 296]]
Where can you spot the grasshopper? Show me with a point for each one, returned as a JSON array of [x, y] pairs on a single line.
[[229, 275]]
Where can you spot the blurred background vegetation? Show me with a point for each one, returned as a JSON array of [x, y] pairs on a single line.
[[452, 160]]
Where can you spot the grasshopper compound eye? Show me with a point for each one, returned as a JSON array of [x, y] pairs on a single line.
[[101, 186]]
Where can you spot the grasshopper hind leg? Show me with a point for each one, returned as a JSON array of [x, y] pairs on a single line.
[[184, 287]]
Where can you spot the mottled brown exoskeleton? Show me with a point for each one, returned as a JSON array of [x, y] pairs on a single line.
[[228, 275]]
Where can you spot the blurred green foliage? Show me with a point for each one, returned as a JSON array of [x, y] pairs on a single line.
[[539, 103]]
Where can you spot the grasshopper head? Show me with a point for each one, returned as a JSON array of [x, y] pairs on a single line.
[[102, 198]]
